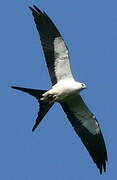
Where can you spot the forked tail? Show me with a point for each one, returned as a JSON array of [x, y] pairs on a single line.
[[44, 106]]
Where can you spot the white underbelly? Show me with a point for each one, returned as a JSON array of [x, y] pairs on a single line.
[[61, 91]]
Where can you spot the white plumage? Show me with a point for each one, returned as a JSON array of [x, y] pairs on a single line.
[[66, 90]]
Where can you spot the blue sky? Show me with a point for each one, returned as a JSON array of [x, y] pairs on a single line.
[[54, 151]]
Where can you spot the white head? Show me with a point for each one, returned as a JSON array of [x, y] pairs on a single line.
[[81, 86]]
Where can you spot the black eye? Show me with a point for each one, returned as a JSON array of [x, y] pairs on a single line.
[[83, 85]]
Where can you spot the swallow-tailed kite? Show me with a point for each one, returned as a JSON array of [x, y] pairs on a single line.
[[65, 90]]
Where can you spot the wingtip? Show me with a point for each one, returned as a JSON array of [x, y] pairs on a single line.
[[35, 9], [102, 167], [30, 8], [100, 171]]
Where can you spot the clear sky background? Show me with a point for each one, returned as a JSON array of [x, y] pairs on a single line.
[[54, 151]]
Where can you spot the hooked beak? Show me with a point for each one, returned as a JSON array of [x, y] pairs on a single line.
[[84, 86]]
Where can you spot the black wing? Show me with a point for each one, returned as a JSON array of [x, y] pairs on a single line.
[[87, 128], [55, 50]]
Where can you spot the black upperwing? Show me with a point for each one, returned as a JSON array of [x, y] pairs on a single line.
[[54, 47], [87, 128]]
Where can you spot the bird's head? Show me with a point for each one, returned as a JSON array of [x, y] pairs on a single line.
[[80, 86], [83, 86]]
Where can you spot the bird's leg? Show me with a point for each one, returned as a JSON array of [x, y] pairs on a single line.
[[51, 97], [48, 97]]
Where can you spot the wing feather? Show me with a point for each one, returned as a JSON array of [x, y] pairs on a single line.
[[54, 47], [87, 128]]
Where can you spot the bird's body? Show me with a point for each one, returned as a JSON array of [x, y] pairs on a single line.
[[65, 90]]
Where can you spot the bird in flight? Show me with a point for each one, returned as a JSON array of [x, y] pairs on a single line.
[[65, 90]]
